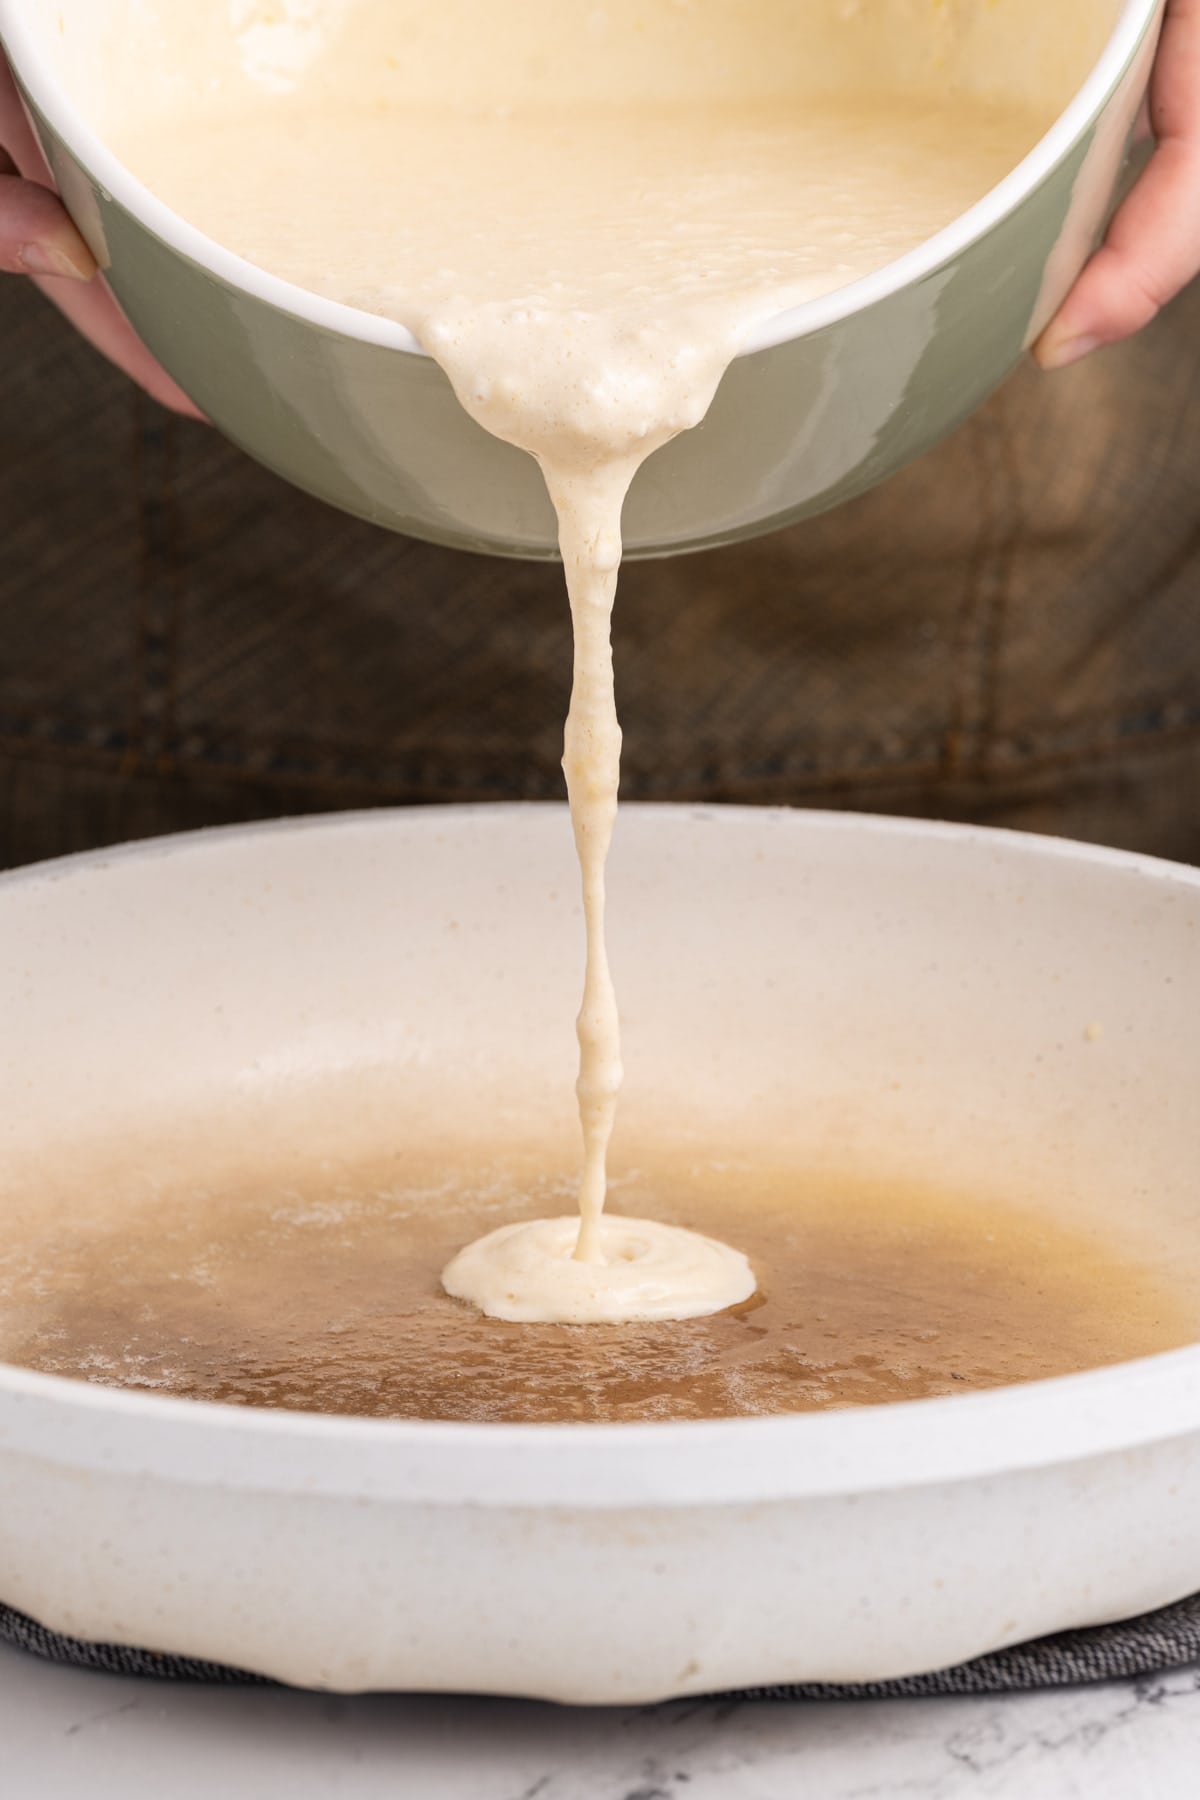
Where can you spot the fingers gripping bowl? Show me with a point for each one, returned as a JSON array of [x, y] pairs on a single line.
[[357, 973], [825, 400]]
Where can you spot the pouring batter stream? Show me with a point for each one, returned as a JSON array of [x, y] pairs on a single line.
[[584, 276]]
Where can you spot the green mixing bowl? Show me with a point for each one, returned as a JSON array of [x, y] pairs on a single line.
[[824, 402]]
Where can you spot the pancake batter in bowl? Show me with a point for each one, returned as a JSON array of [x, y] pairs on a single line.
[[584, 274]]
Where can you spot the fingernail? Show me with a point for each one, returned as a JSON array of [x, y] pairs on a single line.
[[49, 259], [1060, 353]]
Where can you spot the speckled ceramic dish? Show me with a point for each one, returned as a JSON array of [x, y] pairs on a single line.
[[970, 1004], [824, 402]]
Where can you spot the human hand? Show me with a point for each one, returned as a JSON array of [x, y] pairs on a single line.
[[38, 239], [1152, 249]]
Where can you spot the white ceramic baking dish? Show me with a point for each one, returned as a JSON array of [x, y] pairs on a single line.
[[984, 1007]]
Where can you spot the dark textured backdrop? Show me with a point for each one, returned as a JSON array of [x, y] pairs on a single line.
[[1008, 631]]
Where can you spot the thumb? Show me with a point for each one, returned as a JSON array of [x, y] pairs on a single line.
[[36, 235], [1152, 249], [1151, 252]]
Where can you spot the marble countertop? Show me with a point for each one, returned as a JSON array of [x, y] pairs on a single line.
[[66, 1733]]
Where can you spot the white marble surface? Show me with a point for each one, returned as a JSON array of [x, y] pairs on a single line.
[[64, 1734]]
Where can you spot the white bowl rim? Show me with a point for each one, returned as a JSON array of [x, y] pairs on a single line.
[[1040, 1424], [36, 71]]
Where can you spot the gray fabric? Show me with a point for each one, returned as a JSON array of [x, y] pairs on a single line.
[[1150, 1645], [111, 1659]]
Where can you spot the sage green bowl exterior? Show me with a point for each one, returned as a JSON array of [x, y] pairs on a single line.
[[833, 398]]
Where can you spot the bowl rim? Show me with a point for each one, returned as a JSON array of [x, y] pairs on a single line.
[[1112, 1410], [44, 90]]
